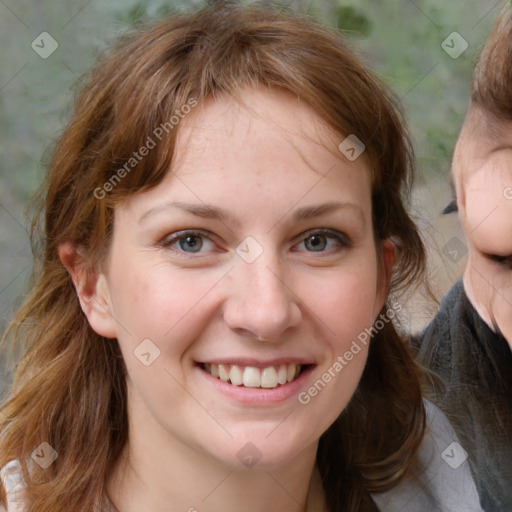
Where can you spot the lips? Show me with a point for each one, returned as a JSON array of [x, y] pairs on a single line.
[[268, 377]]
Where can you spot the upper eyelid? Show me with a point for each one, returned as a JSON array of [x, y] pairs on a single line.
[[174, 237], [330, 233]]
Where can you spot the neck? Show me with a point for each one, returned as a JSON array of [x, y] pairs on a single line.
[[160, 473]]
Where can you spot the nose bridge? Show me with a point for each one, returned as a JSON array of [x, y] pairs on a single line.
[[261, 303], [267, 284]]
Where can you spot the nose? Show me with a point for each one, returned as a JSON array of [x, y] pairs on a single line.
[[261, 302]]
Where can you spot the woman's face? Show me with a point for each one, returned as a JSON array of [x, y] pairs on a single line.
[[255, 260], [482, 172]]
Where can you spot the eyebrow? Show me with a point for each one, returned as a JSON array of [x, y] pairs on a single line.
[[310, 212], [200, 210], [206, 211]]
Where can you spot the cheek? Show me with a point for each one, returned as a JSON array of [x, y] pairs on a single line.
[[344, 306], [348, 304], [167, 306], [346, 300], [488, 222], [347, 317]]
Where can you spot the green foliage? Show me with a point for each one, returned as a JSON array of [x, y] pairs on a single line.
[[350, 19], [136, 14], [401, 40], [143, 11]]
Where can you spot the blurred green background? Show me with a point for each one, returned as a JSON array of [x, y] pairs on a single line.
[[400, 39]]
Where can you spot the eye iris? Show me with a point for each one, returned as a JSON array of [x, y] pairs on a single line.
[[191, 243], [316, 242]]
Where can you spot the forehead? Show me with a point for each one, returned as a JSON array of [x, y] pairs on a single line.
[[266, 149], [261, 129], [257, 116]]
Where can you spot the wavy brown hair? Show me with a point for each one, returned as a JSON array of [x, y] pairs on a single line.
[[69, 387], [491, 82]]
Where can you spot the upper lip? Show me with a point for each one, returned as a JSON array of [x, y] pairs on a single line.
[[258, 363]]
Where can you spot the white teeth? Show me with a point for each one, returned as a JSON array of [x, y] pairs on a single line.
[[223, 372], [253, 377], [236, 376], [281, 374], [269, 378]]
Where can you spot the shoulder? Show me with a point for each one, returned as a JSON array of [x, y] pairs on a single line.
[[441, 479], [11, 478], [450, 309], [433, 347]]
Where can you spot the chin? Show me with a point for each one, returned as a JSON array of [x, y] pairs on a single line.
[[261, 453]]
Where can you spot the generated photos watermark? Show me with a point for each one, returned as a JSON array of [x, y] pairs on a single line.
[[454, 455], [147, 352], [455, 249], [355, 348], [151, 142], [352, 147], [45, 455], [44, 45], [454, 45]]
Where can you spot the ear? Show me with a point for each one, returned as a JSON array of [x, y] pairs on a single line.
[[388, 257], [92, 290]]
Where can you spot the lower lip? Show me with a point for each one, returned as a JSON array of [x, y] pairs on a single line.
[[259, 396]]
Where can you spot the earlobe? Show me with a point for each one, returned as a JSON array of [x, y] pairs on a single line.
[[92, 290], [388, 258]]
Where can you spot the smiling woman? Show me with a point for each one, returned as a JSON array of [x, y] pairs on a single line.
[[178, 317]]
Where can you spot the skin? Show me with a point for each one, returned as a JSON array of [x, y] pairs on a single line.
[[482, 173], [261, 160]]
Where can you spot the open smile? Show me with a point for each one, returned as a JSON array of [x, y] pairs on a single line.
[[256, 382], [268, 377]]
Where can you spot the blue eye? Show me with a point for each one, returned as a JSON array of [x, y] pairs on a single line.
[[322, 240], [188, 242], [316, 242], [197, 242]]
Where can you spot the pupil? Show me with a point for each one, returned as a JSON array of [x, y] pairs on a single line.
[[191, 242], [317, 242]]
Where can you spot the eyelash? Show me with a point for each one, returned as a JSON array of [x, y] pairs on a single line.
[[340, 238]]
